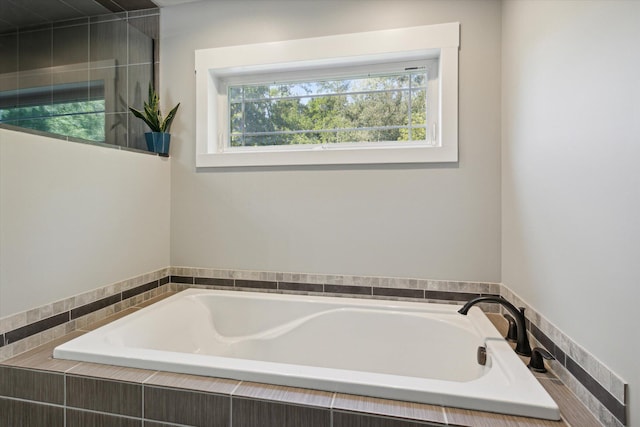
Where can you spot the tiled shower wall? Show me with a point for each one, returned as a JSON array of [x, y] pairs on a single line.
[[64, 60], [598, 388]]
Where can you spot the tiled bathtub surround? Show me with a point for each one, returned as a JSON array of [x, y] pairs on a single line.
[[382, 287], [597, 387], [39, 390], [23, 331], [600, 389]]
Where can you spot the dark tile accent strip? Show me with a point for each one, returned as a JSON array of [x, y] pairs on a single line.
[[560, 356], [491, 295], [547, 343], [104, 396], [139, 290], [28, 414], [306, 287], [163, 281], [257, 284], [450, 296], [348, 289], [210, 281], [94, 306], [1, 340], [76, 418], [186, 407], [32, 385], [37, 327], [181, 279], [540, 336], [611, 403], [399, 292]]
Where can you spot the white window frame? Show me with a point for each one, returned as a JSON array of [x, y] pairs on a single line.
[[216, 66]]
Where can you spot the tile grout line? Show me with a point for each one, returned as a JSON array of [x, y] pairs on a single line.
[[37, 402], [444, 414]]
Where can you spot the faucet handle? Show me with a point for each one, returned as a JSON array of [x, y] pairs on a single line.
[[536, 363], [512, 333]]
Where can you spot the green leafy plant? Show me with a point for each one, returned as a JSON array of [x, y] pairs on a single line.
[[152, 115]]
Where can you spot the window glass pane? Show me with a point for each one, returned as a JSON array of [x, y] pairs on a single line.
[[419, 107], [356, 109], [76, 119]]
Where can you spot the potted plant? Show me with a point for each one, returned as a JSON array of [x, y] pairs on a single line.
[[159, 138]]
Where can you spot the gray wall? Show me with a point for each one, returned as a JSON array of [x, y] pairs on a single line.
[[571, 182], [75, 217], [429, 221]]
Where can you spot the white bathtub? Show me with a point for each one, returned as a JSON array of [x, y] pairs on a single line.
[[398, 350]]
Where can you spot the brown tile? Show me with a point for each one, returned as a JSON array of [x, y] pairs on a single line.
[[104, 396], [186, 407], [348, 289], [398, 292], [192, 382], [130, 293], [345, 419], [302, 287], [296, 416], [28, 414], [299, 396], [85, 309], [499, 322], [35, 327], [259, 413], [449, 296], [32, 385], [212, 281], [613, 405], [256, 284], [42, 357], [111, 372], [108, 319], [155, 299], [571, 408], [464, 417], [147, 423], [77, 418], [182, 279], [392, 408]]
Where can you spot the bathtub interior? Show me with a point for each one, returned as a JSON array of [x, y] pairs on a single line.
[[337, 335]]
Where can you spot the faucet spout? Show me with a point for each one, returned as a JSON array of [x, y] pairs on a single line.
[[522, 342]]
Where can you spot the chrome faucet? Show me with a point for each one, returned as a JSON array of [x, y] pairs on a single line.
[[522, 341]]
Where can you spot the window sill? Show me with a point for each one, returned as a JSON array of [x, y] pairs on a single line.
[[328, 156]]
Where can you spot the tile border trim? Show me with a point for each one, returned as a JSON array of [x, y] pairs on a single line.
[[327, 288], [602, 391], [23, 331]]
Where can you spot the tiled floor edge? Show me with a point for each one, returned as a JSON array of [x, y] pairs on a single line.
[[595, 385], [23, 331]]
